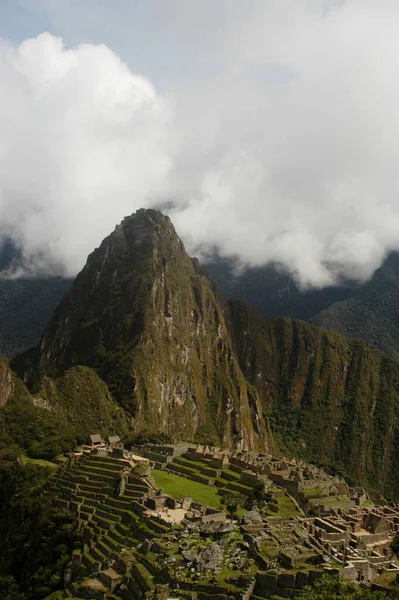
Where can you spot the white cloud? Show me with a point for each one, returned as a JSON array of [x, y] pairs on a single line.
[[280, 145], [82, 146]]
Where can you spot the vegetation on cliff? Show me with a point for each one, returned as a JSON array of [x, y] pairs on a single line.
[[337, 588], [149, 320], [37, 539], [59, 416], [327, 398]]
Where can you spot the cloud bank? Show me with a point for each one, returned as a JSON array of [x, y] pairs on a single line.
[[282, 145]]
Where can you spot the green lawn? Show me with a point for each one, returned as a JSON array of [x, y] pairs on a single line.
[[180, 487], [367, 503], [386, 579]]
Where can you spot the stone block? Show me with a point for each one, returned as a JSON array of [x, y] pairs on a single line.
[[268, 581], [313, 576], [286, 580], [301, 579]]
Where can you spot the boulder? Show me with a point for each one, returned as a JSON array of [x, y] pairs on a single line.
[[252, 517], [190, 555], [210, 557]]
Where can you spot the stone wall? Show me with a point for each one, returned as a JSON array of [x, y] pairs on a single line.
[[363, 540], [284, 584]]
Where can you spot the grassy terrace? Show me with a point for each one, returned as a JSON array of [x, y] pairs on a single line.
[[227, 479], [180, 487], [38, 461]]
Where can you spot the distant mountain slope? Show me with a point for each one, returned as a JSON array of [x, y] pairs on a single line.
[[371, 313], [26, 306], [272, 291]]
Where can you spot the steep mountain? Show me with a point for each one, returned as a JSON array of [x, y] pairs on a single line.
[[61, 414], [371, 312], [328, 399], [149, 320], [366, 311], [183, 361]]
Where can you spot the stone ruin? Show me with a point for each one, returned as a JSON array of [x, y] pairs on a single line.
[[133, 531]]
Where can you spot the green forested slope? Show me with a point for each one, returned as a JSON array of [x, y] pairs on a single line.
[[371, 313], [326, 398], [62, 413]]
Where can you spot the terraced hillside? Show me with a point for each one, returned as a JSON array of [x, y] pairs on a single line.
[[210, 525], [107, 522], [115, 533], [125, 552]]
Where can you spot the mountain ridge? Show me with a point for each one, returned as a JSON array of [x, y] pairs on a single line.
[[183, 361]]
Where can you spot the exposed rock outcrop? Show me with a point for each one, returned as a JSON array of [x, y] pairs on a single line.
[[7, 382]]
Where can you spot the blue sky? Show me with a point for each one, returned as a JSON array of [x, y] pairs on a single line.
[[165, 45]]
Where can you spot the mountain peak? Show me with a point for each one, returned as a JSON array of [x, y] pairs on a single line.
[[141, 230], [147, 220], [151, 323]]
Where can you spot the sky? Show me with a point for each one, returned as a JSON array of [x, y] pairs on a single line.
[[266, 128]]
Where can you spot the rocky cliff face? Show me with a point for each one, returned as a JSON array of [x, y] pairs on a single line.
[[145, 316], [181, 360]]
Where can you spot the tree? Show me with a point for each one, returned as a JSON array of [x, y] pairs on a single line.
[[258, 497], [232, 501], [337, 588]]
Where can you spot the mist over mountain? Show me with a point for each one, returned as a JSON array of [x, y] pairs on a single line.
[[367, 311], [371, 312], [359, 311], [272, 290]]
